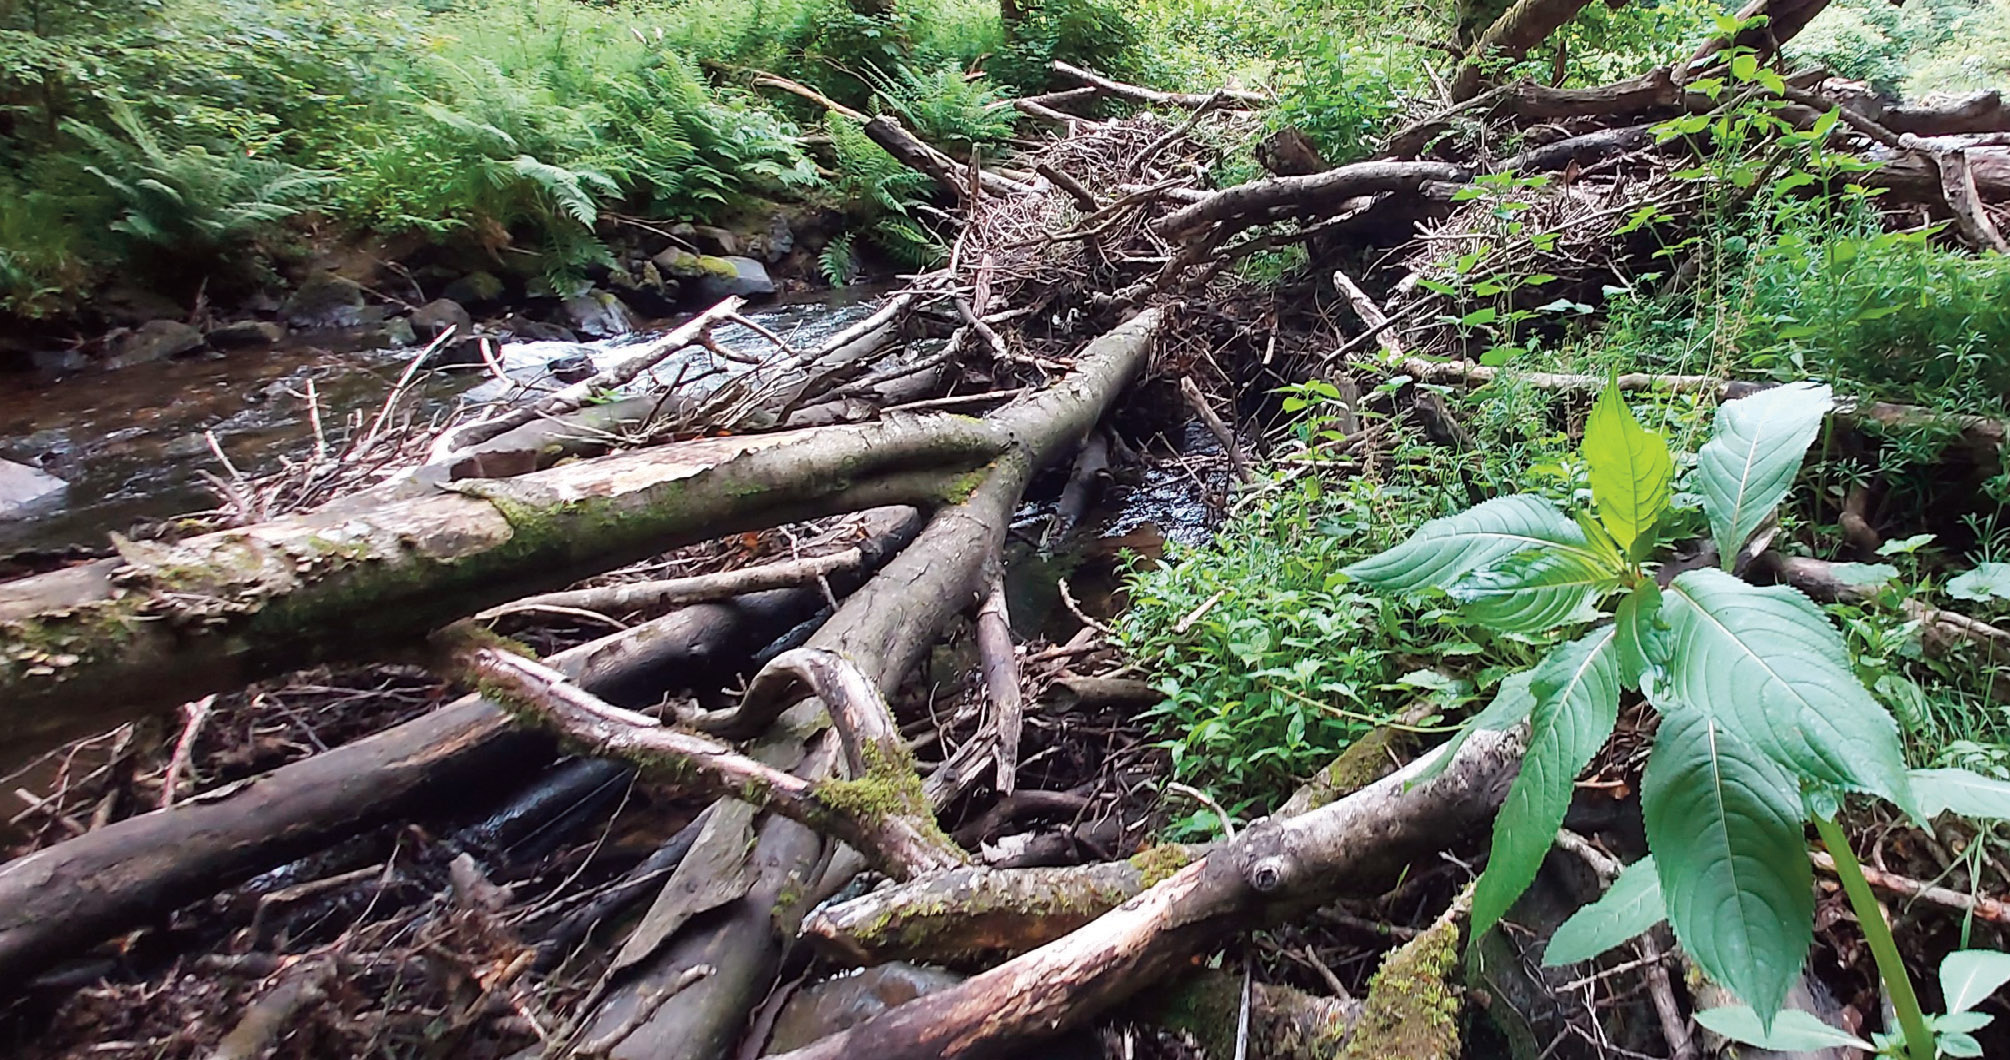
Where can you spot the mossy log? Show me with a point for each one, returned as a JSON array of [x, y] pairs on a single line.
[[883, 630], [1412, 1008], [1274, 869], [1284, 1023], [85, 648], [75, 894]]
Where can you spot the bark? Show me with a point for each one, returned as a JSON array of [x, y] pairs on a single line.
[[1520, 28], [883, 630], [93, 645], [630, 597], [1000, 658], [1278, 198], [74, 894], [1284, 1023], [948, 174], [1978, 112], [1358, 845]]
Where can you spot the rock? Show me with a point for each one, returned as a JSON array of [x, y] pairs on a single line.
[[26, 491], [130, 306], [243, 333], [396, 331], [708, 239], [476, 288], [646, 291], [598, 314], [836, 1004], [432, 320], [678, 264], [59, 362], [571, 368], [781, 238], [155, 340], [324, 302], [725, 277], [530, 330]]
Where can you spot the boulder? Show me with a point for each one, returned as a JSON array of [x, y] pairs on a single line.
[[646, 291], [597, 314], [324, 302], [847, 1001], [243, 333], [571, 368], [729, 276], [708, 239], [59, 362], [476, 288], [679, 264], [155, 340], [26, 491], [432, 320], [528, 330], [128, 306]]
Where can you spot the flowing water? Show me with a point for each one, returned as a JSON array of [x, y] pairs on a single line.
[[134, 445]]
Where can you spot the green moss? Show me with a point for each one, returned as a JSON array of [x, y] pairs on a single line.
[[1412, 1011], [890, 786], [1364, 762], [48, 647], [1157, 864]]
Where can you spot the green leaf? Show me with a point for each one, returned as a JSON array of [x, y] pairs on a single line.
[[1535, 590], [1768, 665], [1630, 468], [1513, 702], [1961, 792], [1988, 581], [1793, 1031], [1724, 823], [1752, 458], [1968, 977], [1745, 67], [1629, 907], [1641, 632], [1576, 692], [1444, 550]]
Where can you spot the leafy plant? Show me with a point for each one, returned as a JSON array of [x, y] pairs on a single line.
[[945, 106], [1764, 724]]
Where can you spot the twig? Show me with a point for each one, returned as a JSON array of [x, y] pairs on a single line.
[[1001, 680], [677, 592], [1982, 907], [198, 712], [1191, 391]]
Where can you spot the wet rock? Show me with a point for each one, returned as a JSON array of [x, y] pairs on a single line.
[[572, 368], [476, 288], [155, 340], [325, 302], [460, 354], [726, 277], [528, 330], [781, 238], [27, 491], [835, 1004], [598, 314], [645, 290], [243, 333], [396, 331], [709, 239], [59, 362], [432, 320]]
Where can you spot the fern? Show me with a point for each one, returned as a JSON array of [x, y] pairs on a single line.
[[835, 261]]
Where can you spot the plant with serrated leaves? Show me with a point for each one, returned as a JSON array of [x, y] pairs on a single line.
[[1764, 723]]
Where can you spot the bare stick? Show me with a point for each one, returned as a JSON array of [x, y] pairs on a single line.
[[1191, 391], [1001, 681], [1981, 907], [678, 592], [1154, 96], [1370, 312], [265, 1019], [897, 842], [198, 712]]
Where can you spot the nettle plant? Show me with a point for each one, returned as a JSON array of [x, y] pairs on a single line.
[[1764, 722]]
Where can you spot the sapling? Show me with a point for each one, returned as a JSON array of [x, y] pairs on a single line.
[[1764, 722]]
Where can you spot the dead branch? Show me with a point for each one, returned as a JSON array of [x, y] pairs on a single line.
[[898, 843], [1980, 906], [1001, 680], [1152, 96], [1230, 445], [264, 1021], [1525, 24], [1279, 198], [630, 597], [1357, 845]]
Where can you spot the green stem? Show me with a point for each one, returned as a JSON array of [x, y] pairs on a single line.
[[1883, 948]]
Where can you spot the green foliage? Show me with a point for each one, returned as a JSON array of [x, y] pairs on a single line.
[[946, 107], [1627, 909], [1763, 715], [886, 197], [1099, 34]]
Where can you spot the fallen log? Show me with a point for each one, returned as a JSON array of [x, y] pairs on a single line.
[[1278, 198], [1358, 845], [73, 895], [884, 629], [93, 645]]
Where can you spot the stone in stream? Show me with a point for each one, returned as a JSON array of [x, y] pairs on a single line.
[[155, 340], [27, 491], [849, 1000], [597, 314], [679, 264], [527, 330], [326, 301], [726, 277], [243, 333], [431, 320]]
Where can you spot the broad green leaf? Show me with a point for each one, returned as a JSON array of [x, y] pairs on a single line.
[[1576, 692], [1535, 590], [1768, 665], [1793, 1031], [1511, 705], [1630, 468], [1968, 977], [1640, 634], [1629, 907], [1724, 823], [1961, 792], [1752, 457], [1988, 581], [1444, 550]]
